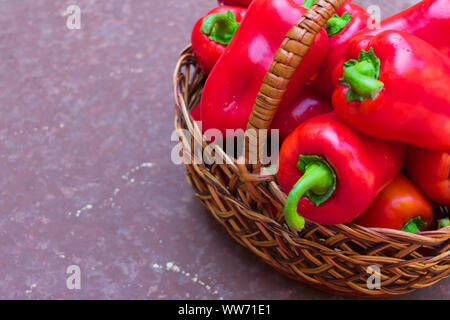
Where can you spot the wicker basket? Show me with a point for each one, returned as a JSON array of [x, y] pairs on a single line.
[[335, 259]]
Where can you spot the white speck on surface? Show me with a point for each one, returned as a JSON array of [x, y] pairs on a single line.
[[127, 175], [171, 266], [152, 289], [137, 70], [147, 165], [31, 288], [85, 208]]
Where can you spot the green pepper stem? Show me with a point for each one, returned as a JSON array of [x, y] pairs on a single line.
[[442, 223], [336, 24], [365, 68], [317, 178], [308, 4], [220, 27], [414, 225], [362, 81]]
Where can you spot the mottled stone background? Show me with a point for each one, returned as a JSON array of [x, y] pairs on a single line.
[[85, 171]]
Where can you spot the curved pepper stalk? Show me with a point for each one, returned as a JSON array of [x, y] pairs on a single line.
[[362, 77], [317, 183], [220, 27]]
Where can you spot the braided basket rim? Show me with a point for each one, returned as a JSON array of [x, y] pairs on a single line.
[[187, 95], [332, 258]]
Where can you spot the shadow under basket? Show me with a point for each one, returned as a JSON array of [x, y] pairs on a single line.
[[339, 259]]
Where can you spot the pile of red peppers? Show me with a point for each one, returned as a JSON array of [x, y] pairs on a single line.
[[365, 121]]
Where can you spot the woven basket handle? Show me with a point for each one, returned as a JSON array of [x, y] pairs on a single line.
[[286, 61]]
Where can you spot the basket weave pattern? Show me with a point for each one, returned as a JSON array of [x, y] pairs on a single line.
[[331, 258]]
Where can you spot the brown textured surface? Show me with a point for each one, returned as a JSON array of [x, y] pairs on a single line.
[[84, 115]]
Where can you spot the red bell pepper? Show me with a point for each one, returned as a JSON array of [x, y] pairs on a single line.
[[231, 88], [426, 20], [305, 106], [348, 20], [240, 3], [339, 170], [195, 113], [213, 32], [430, 170], [396, 90], [400, 206]]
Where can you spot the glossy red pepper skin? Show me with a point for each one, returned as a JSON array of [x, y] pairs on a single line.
[[305, 106], [414, 105], [240, 3], [323, 84], [363, 167], [425, 20], [430, 170], [396, 205], [231, 88], [195, 113], [207, 51]]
